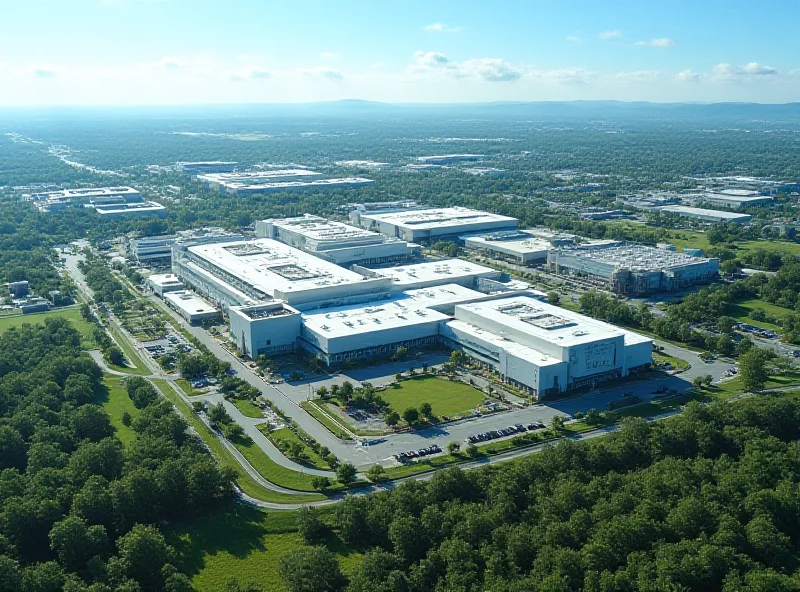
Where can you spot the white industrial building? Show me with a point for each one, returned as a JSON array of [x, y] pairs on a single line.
[[522, 247], [130, 210], [206, 167], [248, 272], [633, 269], [450, 158], [191, 307], [61, 199], [337, 242], [153, 251], [713, 216], [545, 349], [161, 283], [429, 225], [736, 199], [427, 274], [269, 328], [271, 181]]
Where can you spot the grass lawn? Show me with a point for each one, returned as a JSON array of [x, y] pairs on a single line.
[[132, 356], [245, 543], [743, 308], [248, 408], [225, 458], [332, 425], [187, 387], [115, 401], [286, 435], [72, 314], [273, 472], [790, 248], [676, 363], [447, 398], [734, 385]]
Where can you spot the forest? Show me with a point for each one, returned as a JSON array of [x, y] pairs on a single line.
[[79, 511]]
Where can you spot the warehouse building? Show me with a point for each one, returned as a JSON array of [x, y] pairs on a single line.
[[206, 167], [340, 243], [544, 349], [191, 307], [131, 210], [520, 247], [430, 225], [704, 215], [444, 159], [53, 201], [272, 181], [633, 269], [161, 283], [736, 199], [248, 272], [427, 274]]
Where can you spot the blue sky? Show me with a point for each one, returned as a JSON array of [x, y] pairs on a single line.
[[137, 52]]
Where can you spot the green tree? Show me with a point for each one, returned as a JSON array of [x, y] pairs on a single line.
[[752, 369], [376, 473], [471, 450], [411, 416], [320, 483], [453, 447], [553, 298], [426, 410], [311, 569], [392, 418], [143, 554], [346, 473], [309, 525]]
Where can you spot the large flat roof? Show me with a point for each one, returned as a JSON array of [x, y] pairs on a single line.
[[189, 302], [745, 197], [518, 242], [452, 269], [255, 177], [522, 351], [164, 279], [124, 208], [437, 218], [705, 212], [559, 326], [327, 233], [633, 256], [86, 192], [269, 265]]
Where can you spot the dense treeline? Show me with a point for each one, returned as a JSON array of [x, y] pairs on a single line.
[[705, 501], [77, 508]]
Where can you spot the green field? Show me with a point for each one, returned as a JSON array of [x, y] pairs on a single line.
[[446, 398], [241, 542], [742, 310], [677, 363], [332, 426], [272, 471], [115, 401], [734, 385], [187, 387], [132, 356], [243, 480], [72, 314], [287, 435], [248, 408]]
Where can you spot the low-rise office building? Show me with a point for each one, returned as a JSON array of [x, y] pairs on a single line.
[[153, 251], [704, 215], [61, 199], [518, 247], [161, 283], [544, 349], [340, 243], [633, 269], [429, 225], [272, 181], [427, 274], [191, 307], [130, 210], [735, 199]]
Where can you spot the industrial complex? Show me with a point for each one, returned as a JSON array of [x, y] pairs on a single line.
[[429, 225], [633, 269], [61, 199], [521, 247], [337, 242], [271, 181], [287, 291], [704, 215]]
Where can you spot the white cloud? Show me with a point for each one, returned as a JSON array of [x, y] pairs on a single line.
[[321, 73], [486, 69], [490, 70], [441, 28], [659, 42], [172, 63], [637, 76], [44, 72], [726, 71], [608, 35], [573, 38], [561, 76], [254, 73], [795, 72], [329, 55], [687, 75]]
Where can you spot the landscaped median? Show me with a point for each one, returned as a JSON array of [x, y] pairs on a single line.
[[130, 353], [247, 484], [329, 422]]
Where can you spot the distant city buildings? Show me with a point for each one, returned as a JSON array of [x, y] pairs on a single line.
[[206, 167], [444, 159], [705, 215], [146, 208], [271, 181]]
